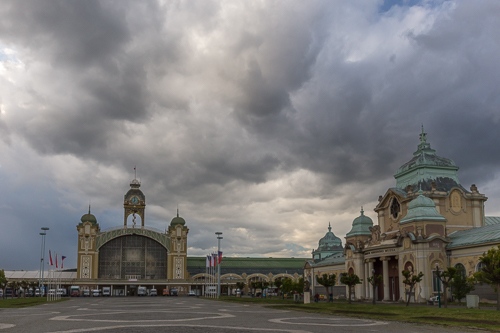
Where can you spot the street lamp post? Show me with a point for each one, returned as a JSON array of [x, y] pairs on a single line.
[[439, 285], [43, 233], [219, 237]]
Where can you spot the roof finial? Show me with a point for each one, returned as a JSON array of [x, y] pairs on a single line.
[[423, 135], [329, 227], [135, 171], [362, 211], [177, 210], [89, 206]]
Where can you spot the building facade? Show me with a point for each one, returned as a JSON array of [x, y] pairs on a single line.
[[427, 222]]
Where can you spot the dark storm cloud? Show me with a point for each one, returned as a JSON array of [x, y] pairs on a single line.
[[259, 119]]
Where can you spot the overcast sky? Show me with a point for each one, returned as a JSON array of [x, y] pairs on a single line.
[[261, 119]]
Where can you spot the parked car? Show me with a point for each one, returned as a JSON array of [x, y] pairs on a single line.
[[74, 291], [86, 293], [173, 292], [191, 293], [166, 292], [96, 293], [153, 292]]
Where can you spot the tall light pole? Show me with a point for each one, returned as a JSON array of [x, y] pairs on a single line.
[[219, 237], [43, 233]]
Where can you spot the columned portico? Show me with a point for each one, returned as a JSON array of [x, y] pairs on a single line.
[[385, 274]]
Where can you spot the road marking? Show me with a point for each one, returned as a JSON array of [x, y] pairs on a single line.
[[214, 316], [365, 322], [93, 329], [4, 326]]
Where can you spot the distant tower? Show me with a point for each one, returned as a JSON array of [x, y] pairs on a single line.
[[87, 263], [134, 202], [177, 257]]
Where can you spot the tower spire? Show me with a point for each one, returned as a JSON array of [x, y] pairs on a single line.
[[177, 210], [329, 227], [362, 211]]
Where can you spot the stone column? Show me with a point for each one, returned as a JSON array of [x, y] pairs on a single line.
[[385, 266], [313, 281], [370, 272], [367, 285], [360, 271]]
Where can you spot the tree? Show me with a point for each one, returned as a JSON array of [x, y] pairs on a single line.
[[14, 285], [462, 285], [327, 281], [264, 285], [411, 280], [490, 272], [278, 283], [287, 286], [240, 286], [298, 286], [350, 281], [3, 281], [253, 286], [446, 276], [375, 281], [24, 284]]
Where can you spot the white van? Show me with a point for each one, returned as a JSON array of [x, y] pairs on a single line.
[[106, 291], [153, 292], [141, 291], [96, 293]]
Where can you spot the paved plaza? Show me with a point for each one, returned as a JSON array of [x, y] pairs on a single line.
[[184, 314]]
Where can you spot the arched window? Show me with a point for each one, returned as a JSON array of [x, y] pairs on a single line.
[[479, 267], [461, 269], [395, 208]]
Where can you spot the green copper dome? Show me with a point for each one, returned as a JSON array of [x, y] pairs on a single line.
[[361, 225], [177, 220], [426, 167], [89, 218], [422, 208], [330, 241]]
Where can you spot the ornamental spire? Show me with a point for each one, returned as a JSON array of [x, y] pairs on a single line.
[[329, 227], [362, 211], [423, 135]]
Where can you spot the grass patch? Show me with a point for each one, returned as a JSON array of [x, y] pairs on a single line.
[[24, 302], [478, 318]]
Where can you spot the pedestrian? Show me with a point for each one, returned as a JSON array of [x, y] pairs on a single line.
[[316, 298]]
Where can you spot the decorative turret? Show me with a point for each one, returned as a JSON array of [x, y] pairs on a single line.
[[361, 226], [422, 209], [177, 220], [425, 168], [328, 245]]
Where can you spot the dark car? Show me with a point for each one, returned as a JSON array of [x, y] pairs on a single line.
[[173, 292]]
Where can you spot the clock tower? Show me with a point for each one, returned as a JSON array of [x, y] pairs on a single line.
[[134, 203]]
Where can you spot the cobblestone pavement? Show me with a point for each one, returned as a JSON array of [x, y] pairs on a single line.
[[184, 314]]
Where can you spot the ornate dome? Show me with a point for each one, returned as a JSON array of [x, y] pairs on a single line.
[[134, 183], [426, 167], [177, 220], [329, 241], [422, 208], [361, 225], [89, 218]]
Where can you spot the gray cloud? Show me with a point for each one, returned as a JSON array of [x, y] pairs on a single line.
[[264, 120]]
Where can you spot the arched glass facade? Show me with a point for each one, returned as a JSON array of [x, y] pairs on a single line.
[[132, 257]]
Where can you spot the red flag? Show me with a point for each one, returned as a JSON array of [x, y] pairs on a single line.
[[50, 259], [56, 260], [62, 261], [220, 257]]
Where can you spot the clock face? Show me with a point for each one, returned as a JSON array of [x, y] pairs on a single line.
[[134, 200]]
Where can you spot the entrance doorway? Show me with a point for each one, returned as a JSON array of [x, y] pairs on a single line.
[[393, 280]]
